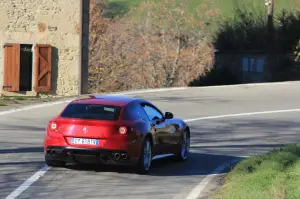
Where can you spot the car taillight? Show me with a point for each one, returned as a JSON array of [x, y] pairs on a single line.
[[123, 130], [53, 126]]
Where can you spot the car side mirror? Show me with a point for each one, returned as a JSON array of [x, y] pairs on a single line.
[[168, 115]]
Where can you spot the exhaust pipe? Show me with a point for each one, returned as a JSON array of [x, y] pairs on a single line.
[[117, 156], [53, 152], [124, 156]]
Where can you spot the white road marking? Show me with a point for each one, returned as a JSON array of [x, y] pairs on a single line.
[[34, 107], [197, 191], [242, 114], [30, 107], [162, 156], [149, 91], [141, 91], [201, 186], [249, 84], [28, 183]]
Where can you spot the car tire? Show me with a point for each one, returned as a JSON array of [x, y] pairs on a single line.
[[182, 154], [144, 163], [53, 163]]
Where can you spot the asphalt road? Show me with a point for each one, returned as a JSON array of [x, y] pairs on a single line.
[[214, 142]]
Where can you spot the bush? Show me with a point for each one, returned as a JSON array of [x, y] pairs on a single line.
[[297, 51], [245, 30], [164, 45], [212, 77]]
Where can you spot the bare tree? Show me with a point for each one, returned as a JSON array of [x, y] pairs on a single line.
[[162, 45]]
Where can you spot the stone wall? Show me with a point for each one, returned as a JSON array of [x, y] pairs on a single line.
[[55, 22]]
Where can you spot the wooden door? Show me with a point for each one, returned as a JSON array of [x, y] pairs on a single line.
[[11, 67], [43, 56]]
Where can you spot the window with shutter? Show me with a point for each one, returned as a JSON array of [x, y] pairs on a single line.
[[43, 56], [11, 67]]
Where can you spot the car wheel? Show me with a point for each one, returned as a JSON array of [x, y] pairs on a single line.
[[184, 146], [145, 160], [53, 163]]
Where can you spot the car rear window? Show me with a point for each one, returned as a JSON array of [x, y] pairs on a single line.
[[92, 111]]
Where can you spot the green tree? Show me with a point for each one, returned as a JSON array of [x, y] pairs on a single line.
[[297, 51]]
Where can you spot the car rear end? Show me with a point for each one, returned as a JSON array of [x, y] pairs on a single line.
[[92, 133]]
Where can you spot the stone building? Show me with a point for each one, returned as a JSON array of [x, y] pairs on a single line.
[[252, 66], [44, 46], [247, 66]]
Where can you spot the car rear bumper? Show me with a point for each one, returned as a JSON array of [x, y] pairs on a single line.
[[58, 147], [88, 155]]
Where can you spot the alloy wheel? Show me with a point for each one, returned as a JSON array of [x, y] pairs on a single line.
[[185, 147], [147, 155]]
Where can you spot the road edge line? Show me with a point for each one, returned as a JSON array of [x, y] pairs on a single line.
[[45, 104], [242, 114], [25, 185], [197, 191], [247, 84], [129, 92]]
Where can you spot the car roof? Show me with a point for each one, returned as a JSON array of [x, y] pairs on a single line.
[[114, 100]]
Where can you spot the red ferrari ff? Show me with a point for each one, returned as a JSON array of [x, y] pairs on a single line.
[[114, 130]]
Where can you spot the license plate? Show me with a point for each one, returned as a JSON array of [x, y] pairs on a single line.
[[85, 141]]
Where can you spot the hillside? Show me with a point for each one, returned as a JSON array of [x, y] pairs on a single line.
[[155, 46], [226, 7]]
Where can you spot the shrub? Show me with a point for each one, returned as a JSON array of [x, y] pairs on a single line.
[[297, 51], [163, 45], [214, 76], [245, 30]]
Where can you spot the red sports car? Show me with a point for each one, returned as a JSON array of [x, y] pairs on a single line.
[[114, 130]]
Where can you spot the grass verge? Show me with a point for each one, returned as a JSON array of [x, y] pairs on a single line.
[[3, 102], [15, 100], [275, 175]]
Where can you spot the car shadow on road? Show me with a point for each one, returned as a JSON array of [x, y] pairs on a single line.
[[22, 150], [24, 163], [196, 164]]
